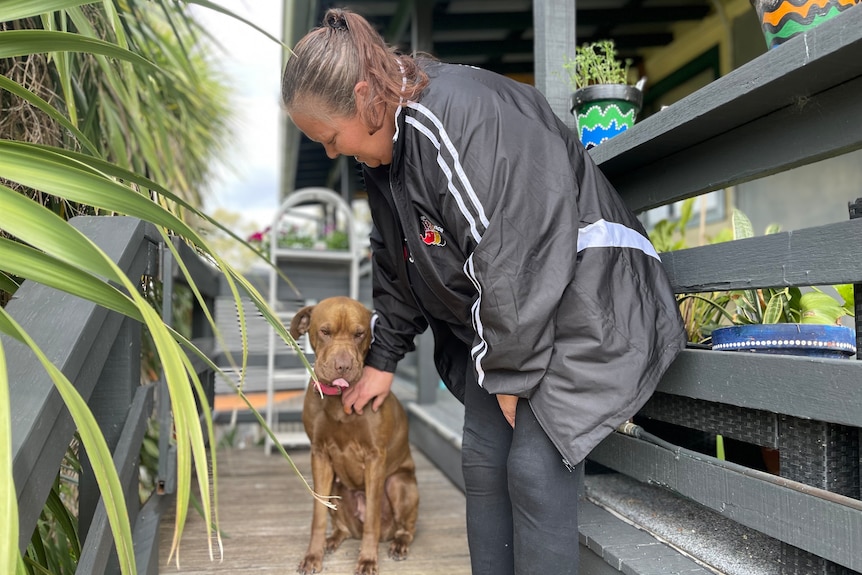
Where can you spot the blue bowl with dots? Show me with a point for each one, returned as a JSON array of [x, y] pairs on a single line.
[[813, 340]]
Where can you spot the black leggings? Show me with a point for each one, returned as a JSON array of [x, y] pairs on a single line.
[[522, 501]]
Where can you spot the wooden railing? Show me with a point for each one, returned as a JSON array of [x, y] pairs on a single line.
[[99, 351], [791, 106]]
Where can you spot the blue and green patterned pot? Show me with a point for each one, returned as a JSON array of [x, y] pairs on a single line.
[[781, 20], [604, 110], [809, 339]]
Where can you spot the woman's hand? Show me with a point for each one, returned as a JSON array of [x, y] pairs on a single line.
[[508, 405], [374, 384]]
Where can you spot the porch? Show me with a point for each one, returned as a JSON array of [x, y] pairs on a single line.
[[265, 513], [770, 115]]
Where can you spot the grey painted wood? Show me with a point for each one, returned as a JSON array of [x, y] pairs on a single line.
[[98, 555], [819, 389], [607, 542], [421, 26], [820, 255], [554, 40], [828, 528], [265, 517], [794, 136], [166, 474], [76, 337], [440, 444], [41, 424], [206, 276], [719, 130], [129, 242], [593, 564], [146, 534], [110, 403]]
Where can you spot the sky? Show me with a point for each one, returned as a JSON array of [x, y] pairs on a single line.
[[252, 64]]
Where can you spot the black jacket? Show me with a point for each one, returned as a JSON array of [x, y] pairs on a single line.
[[494, 227]]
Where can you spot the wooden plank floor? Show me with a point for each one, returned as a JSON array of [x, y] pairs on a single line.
[[265, 514]]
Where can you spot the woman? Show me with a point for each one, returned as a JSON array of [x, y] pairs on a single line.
[[552, 317]]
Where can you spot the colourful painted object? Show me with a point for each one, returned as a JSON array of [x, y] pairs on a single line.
[[604, 111], [813, 340], [785, 19]]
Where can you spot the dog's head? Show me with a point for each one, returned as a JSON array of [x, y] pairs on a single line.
[[339, 331]]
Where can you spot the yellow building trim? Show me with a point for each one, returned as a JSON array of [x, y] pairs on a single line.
[[697, 39]]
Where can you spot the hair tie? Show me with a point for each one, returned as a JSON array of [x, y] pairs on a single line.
[[337, 21]]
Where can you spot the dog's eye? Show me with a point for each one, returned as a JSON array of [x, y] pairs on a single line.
[[325, 332], [359, 335]]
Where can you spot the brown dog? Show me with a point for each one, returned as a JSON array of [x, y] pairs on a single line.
[[363, 459]]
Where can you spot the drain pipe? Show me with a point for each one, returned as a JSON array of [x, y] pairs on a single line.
[[638, 432]]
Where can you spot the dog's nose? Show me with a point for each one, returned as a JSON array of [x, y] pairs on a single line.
[[342, 364]]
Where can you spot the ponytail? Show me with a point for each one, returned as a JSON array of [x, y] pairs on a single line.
[[328, 62]]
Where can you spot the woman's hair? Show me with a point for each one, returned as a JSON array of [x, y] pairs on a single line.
[[328, 62]]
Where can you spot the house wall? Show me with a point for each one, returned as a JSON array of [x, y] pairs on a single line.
[[774, 199]]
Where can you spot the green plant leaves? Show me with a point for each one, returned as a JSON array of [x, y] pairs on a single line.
[[774, 310], [25, 42], [819, 307], [596, 63], [9, 556], [741, 225], [845, 292], [20, 9], [7, 284]]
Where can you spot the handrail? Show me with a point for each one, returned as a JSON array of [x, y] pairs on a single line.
[[770, 115], [99, 352]]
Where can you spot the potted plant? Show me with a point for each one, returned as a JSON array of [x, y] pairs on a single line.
[[604, 102], [781, 20], [786, 320]]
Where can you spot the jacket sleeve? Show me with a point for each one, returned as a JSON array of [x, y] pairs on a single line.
[[396, 319], [510, 200]]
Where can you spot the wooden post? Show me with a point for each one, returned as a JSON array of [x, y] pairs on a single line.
[[110, 403], [555, 40], [856, 212], [167, 472]]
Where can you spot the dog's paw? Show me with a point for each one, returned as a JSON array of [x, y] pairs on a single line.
[[398, 549], [366, 567], [312, 563], [335, 540]]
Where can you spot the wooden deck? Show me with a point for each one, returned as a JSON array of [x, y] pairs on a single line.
[[265, 514]]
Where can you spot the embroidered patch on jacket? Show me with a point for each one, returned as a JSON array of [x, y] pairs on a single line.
[[432, 234]]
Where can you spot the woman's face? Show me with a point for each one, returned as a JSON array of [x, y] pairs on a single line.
[[343, 136]]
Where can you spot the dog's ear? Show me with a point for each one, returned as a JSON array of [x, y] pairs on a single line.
[[300, 322]]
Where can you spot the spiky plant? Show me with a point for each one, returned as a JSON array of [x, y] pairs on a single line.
[[110, 109]]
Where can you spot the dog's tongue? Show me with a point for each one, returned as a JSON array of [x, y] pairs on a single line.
[[340, 383]]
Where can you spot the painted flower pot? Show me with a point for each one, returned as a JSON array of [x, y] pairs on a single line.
[[781, 20], [813, 340], [604, 110]]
